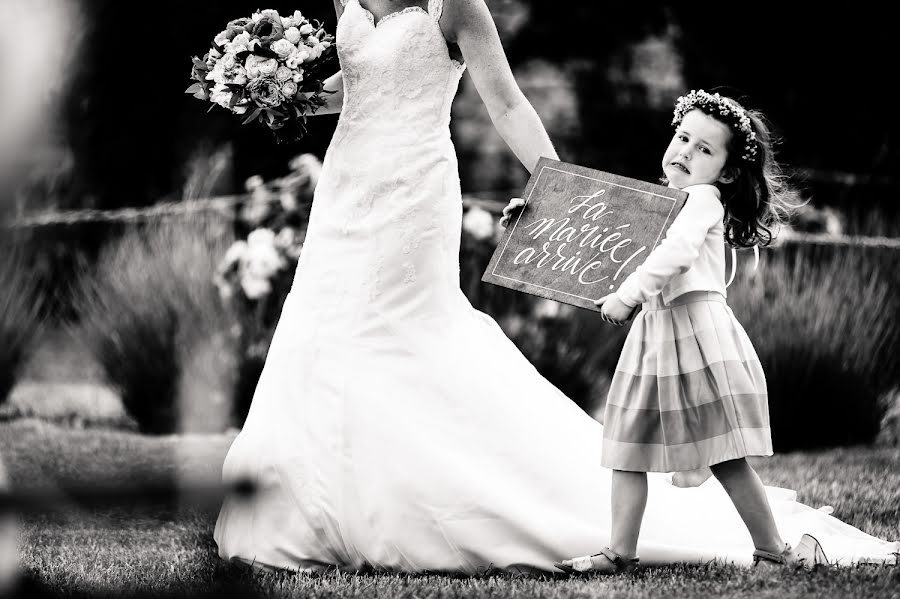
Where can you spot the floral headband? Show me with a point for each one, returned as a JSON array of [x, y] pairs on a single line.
[[723, 107]]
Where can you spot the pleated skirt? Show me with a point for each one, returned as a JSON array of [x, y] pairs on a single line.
[[688, 391]]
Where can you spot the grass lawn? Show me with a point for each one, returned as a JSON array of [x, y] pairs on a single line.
[[167, 548]]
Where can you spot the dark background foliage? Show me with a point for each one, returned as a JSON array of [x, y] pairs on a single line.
[[821, 74]]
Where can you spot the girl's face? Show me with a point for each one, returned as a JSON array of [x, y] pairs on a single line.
[[698, 151]]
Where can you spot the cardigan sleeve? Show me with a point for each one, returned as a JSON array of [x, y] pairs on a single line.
[[679, 249]]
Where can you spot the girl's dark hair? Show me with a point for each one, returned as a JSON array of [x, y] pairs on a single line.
[[760, 198]]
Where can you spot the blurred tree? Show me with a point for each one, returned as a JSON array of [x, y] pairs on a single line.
[[617, 68], [131, 127]]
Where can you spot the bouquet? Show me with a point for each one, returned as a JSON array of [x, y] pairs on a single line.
[[267, 68]]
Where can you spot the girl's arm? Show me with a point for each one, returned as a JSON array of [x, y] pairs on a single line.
[[469, 23], [677, 252]]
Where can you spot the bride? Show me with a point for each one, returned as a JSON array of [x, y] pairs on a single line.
[[394, 426]]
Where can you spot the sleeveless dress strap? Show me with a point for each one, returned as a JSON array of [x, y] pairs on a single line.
[[435, 8]]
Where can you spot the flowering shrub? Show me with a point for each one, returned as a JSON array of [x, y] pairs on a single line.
[[267, 67], [256, 272]]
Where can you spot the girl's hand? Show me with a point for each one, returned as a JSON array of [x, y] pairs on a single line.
[[613, 310], [511, 210]]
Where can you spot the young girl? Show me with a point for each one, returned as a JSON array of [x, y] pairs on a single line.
[[689, 391]]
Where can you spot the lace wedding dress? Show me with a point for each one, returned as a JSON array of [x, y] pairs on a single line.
[[396, 427]]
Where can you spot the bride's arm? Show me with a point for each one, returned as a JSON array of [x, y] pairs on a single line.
[[335, 83], [333, 102], [469, 23]]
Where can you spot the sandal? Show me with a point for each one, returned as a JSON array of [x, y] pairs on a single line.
[[615, 564], [808, 555]]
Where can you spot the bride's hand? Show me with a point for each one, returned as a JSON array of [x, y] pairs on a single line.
[[511, 210]]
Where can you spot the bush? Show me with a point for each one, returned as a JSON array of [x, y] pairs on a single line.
[[256, 273], [153, 319], [824, 325], [20, 323], [822, 319], [571, 347]]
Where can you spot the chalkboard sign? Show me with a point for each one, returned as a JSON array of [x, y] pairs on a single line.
[[581, 233]]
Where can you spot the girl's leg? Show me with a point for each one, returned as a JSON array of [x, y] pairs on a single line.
[[629, 498], [749, 497]]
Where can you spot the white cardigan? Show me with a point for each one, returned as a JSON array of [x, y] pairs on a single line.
[[690, 258]]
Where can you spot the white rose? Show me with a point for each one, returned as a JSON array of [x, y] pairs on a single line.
[[233, 256], [287, 22], [255, 287], [220, 95], [263, 261], [222, 38], [262, 258], [545, 308], [289, 89], [297, 76], [306, 29], [288, 201], [298, 57], [237, 75], [226, 291], [267, 66], [293, 35], [272, 14], [214, 54], [283, 74], [308, 168], [240, 43], [285, 238], [252, 66], [260, 237], [283, 48], [479, 223], [298, 17], [253, 182], [289, 242], [228, 70]]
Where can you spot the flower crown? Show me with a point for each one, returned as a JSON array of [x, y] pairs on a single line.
[[723, 107]]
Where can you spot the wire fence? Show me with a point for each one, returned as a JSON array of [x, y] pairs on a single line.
[[226, 205]]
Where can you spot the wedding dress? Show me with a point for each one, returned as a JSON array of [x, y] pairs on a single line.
[[396, 427]]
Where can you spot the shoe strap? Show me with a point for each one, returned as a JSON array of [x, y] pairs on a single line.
[[777, 558], [619, 561]]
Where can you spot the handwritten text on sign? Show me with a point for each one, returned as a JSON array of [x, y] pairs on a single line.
[[581, 233]]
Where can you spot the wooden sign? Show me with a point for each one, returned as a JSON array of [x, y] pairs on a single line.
[[581, 233]]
